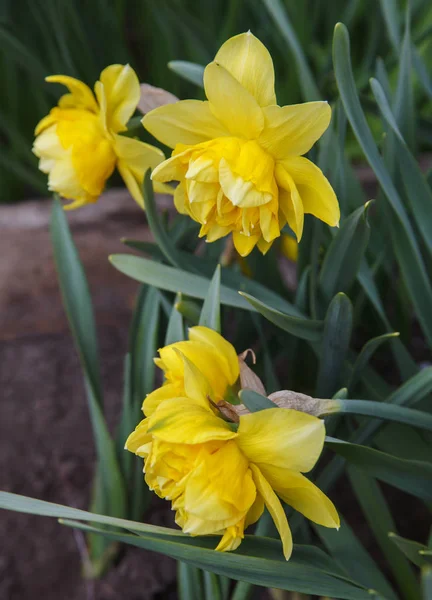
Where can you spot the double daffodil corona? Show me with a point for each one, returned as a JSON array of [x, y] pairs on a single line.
[[217, 474], [78, 142], [239, 156]]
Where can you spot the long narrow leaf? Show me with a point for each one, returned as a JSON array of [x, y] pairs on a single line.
[[405, 244]]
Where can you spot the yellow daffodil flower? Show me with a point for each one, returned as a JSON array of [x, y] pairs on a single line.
[[238, 155], [78, 143], [219, 475]]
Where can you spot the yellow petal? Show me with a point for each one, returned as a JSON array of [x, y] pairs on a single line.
[[249, 61], [275, 509], [294, 129], [255, 511], [187, 122], [231, 103], [282, 437], [196, 386], [300, 493], [207, 494], [214, 232], [206, 358], [316, 193], [180, 199], [171, 169], [80, 95], [182, 422], [212, 338], [152, 401], [232, 538], [264, 246], [139, 437], [244, 244], [241, 192], [120, 89], [133, 160], [269, 224], [45, 123], [289, 201]]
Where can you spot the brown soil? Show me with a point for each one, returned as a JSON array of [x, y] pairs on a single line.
[[46, 448]]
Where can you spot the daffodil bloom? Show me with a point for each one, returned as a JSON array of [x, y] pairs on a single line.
[[217, 474], [239, 156], [78, 143]]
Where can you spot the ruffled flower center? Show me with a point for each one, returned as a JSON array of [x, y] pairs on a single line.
[[228, 184]]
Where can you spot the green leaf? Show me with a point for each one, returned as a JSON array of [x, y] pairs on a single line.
[[366, 354], [334, 347], [76, 297], [414, 551], [427, 583], [172, 280], [306, 329], [189, 309], [255, 402], [356, 561], [377, 513], [386, 411], [343, 258], [412, 476], [305, 78], [417, 189], [196, 286], [189, 582], [77, 302], [211, 586], [404, 241], [162, 238], [404, 101], [258, 560], [188, 70], [390, 13], [229, 278], [210, 312], [175, 330], [127, 420]]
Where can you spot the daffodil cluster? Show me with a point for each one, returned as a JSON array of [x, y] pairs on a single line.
[[78, 142], [239, 156], [219, 475]]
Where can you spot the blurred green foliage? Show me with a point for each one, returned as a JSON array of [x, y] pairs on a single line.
[[78, 38]]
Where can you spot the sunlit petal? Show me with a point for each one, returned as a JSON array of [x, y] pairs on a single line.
[[249, 61], [231, 103], [282, 437], [187, 122], [275, 509], [294, 129]]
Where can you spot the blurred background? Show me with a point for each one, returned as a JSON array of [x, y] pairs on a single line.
[[80, 38]]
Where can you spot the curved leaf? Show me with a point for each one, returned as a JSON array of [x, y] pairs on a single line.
[[190, 71], [306, 329]]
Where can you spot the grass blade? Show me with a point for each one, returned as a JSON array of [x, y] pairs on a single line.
[[334, 347], [187, 70], [345, 254], [305, 77], [210, 312], [377, 513], [412, 476], [405, 244], [306, 329]]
